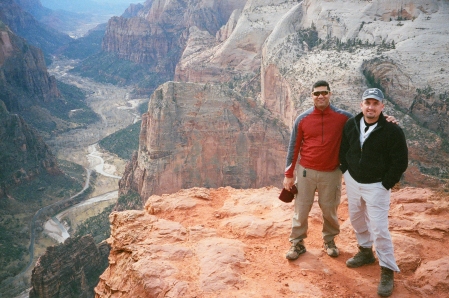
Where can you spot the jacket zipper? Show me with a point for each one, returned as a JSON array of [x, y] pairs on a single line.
[[322, 127]]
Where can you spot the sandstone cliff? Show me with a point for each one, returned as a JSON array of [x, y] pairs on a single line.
[[70, 269], [231, 243], [235, 51], [156, 36], [23, 153], [282, 47], [204, 135], [16, 14], [357, 43], [24, 79], [351, 44]]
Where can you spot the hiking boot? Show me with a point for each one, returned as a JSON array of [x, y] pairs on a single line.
[[363, 257], [386, 283], [331, 249], [295, 251]]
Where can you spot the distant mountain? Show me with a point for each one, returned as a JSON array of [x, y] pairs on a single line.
[[22, 23], [143, 46], [113, 7]]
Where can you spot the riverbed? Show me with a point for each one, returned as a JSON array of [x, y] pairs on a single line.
[[117, 110], [58, 226]]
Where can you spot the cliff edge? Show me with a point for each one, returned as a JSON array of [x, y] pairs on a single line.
[[231, 243]]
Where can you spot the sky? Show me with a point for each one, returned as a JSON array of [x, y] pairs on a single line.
[[116, 7]]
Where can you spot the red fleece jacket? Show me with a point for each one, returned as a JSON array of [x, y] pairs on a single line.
[[315, 140]]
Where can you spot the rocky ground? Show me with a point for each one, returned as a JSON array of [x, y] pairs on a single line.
[[232, 243]]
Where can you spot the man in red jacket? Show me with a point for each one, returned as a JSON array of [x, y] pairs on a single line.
[[315, 142]]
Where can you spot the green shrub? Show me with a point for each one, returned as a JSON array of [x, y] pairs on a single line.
[[98, 226], [123, 142]]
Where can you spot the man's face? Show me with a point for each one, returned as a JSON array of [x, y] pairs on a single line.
[[371, 109], [320, 99]]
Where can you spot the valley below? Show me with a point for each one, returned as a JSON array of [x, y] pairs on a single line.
[[117, 110], [114, 105]]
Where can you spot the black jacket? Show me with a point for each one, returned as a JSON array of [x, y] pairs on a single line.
[[383, 157]]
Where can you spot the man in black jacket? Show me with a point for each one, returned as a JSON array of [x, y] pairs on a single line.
[[373, 157]]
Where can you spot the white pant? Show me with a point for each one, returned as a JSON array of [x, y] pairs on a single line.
[[368, 206]]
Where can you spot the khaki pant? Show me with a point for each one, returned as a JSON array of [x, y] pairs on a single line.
[[328, 185]]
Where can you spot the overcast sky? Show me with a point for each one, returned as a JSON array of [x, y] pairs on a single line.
[[90, 6]]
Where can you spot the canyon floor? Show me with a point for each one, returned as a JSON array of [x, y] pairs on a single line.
[[231, 243]]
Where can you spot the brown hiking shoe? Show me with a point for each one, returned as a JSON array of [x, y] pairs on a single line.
[[363, 257], [295, 251], [386, 283], [331, 249]]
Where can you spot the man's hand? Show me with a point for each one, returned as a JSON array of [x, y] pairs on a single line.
[[391, 119], [288, 183]]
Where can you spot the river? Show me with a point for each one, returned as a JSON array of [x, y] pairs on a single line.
[[55, 227], [117, 110]]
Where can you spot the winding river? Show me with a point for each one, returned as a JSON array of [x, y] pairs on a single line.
[[54, 227], [117, 110]]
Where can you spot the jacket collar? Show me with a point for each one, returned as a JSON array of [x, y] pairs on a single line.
[[325, 111]]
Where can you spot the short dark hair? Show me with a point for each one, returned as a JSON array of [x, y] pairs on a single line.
[[320, 84]]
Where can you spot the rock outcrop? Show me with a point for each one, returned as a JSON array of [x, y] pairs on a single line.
[[205, 135], [70, 269], [24, 80], [23, 153], [234, 52], [231, 243], [132, 10]]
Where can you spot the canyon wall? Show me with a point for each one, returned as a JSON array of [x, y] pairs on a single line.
[[205, 135], [19, 17], [156, 34], [234, 52], [23, 153], [70, 269], [353, 44], [23, 68]]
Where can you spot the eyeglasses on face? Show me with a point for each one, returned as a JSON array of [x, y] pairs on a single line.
[[317, 93]]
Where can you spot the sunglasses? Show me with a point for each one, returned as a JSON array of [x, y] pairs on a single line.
[[317, 93]]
